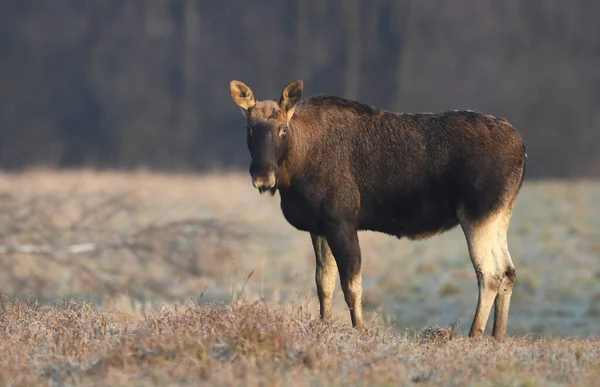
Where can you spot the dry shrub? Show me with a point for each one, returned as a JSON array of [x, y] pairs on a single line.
[[260, 344], [437, 334]]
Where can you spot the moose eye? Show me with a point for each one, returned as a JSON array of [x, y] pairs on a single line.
[[283, 130]]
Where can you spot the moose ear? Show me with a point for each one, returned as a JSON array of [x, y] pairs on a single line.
[[290, 96], [242, 95]]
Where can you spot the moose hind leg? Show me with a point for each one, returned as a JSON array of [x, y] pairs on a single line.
[[502, 304], [487, 259], [345, 247], [325, 274]]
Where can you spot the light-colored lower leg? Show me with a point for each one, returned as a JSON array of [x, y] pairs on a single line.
[[482, 313], [482, 241], [501, 315], [353, 295], [502, 305], [344, 244], [325, 275]]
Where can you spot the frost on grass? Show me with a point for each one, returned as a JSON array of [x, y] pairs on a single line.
[[256, 344], [172, 237]]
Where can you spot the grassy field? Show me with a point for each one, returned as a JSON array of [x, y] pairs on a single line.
[[200, 279]]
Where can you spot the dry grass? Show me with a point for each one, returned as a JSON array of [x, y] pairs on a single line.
[[255, 344], [166, 239]]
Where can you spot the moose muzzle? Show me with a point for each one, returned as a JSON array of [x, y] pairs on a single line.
[[264, 182]]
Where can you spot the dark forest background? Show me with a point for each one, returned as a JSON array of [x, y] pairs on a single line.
[[132, 83]]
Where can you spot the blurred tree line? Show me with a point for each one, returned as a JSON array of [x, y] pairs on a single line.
[[125, 83]]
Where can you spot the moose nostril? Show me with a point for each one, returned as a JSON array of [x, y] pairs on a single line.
[[264, 181], [270, 180], [258, 182]]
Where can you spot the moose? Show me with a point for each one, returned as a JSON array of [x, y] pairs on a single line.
[[341, 166]]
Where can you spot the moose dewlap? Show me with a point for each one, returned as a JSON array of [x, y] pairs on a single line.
[[341, 166]]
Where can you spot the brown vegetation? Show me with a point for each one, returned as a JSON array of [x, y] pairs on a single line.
[[256, 344]]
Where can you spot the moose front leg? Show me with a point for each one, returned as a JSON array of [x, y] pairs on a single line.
[[343, 241], [325, 274]]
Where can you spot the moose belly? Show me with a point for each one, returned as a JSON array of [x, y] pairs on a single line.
[[413, 230], [415, 221]]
